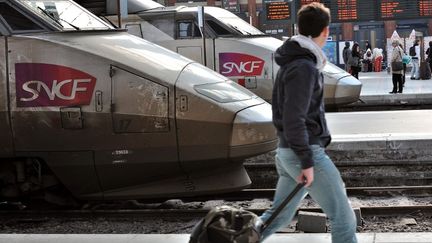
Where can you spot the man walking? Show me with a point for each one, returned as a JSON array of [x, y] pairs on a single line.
[[298, 115]]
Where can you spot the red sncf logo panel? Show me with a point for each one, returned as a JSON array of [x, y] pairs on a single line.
[[239, 64], [39, 84]]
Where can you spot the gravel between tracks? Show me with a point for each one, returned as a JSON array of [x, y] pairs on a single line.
[[414, 222]]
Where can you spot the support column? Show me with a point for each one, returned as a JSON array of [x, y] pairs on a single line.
[[430, 27], [389, 27], [171, 2], [347, 31], [252, 12]]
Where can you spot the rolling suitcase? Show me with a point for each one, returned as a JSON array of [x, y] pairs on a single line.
[[425, 71], [226, 224]]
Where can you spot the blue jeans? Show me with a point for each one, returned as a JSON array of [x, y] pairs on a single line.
[[415, 72], [327, 190]]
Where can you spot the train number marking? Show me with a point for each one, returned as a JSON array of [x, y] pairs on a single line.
[[189, 185], [123, 124]]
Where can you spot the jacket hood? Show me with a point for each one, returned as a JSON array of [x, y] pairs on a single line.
[[300, 47]]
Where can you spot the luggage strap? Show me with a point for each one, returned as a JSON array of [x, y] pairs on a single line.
[[282, 206]]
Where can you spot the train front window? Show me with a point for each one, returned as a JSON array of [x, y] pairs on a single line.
[[232, 21], [217, 28], [66, 14], [15, 20]]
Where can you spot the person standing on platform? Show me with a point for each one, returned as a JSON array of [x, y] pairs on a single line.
[[298, 115], [429, 55], [346, 53], [414, 52], [396, 74], [367, 46], [377, 59], [367, 60], [355, 60], [404, 62]]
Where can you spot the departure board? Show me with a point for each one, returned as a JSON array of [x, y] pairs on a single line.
[[347, 10], [278, 11], [425, 8], [405, 9], [367, 10]]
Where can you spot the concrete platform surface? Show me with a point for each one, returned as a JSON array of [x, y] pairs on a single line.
[[380, 83], [381, 124], [184, 238], [381, 135], [377, 85]]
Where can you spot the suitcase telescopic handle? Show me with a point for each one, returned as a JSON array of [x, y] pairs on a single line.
[[282, 206]]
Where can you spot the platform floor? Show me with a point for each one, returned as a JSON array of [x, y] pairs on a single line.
[[385, 125], [380, 83], [377, 85], [184, 238]]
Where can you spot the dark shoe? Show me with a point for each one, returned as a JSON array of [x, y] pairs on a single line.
[[392, 92], [412, 78]]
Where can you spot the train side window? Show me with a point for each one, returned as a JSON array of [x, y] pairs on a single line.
[[134, 29], [164, 25], [217, 28], [187, 29], [15, 20]]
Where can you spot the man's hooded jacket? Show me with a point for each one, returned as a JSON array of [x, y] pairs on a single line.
[[297, 102]]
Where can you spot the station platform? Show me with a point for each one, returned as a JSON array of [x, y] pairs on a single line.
[[184, 238], [384, 135], [377, 85]]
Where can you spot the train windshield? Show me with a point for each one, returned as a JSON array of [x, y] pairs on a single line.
[[66, 14], [233, 21]]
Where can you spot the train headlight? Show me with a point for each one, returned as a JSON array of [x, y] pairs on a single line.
[[224, 92]]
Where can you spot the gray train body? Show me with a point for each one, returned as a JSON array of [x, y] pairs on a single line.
[[110, 116], [232, 47]]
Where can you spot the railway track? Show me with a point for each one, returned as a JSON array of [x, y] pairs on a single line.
[[250, 194], [131, 214], [263, 175], [381, 107]]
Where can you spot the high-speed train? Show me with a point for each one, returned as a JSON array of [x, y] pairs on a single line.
[[232, 47], [109, 115]]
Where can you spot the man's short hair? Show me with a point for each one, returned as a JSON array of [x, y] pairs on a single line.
[[312, 19]]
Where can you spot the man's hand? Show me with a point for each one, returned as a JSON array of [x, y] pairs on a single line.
[[306, 175]]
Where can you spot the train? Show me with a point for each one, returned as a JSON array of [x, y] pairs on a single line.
[[106, 115], [231, 46]]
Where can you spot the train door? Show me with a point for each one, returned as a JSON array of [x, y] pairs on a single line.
[[6, 148], [189, 43], [140, 118]]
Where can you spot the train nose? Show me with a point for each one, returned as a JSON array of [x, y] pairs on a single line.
[[253, 132], [347, 90]]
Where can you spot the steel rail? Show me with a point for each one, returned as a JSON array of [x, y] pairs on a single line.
[[250, 194], [37, 215]]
